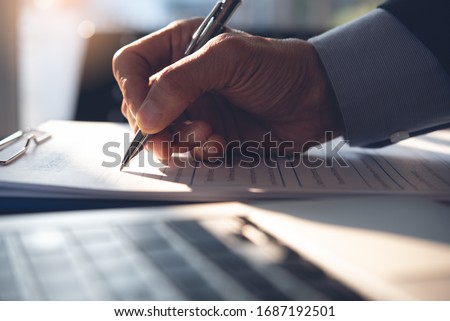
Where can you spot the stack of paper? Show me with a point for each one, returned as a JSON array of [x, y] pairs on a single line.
[[82, 160]]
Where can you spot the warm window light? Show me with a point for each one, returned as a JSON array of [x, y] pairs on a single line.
[[45, 4], [86, 29]]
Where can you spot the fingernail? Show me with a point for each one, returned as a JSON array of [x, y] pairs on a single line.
[[148, 117]]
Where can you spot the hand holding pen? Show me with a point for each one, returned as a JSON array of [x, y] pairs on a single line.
[[236, 88], [208, 29]]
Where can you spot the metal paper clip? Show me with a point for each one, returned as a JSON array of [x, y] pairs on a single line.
[[37, 136]]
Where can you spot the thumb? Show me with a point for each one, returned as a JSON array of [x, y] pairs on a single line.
[[174, 88]]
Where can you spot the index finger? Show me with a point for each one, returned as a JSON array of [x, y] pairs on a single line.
[[135, 63]]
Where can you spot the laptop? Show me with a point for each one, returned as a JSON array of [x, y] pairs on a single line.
[[364, 248]]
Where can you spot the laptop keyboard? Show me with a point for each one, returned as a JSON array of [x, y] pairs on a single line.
[[174, 260]]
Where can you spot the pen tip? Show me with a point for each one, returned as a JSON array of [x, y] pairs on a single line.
[[121, 167]]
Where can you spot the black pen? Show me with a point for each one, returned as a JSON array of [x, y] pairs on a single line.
[[211, 26]]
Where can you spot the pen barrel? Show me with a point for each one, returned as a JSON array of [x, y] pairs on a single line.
[[213, 24], [213, 29], [228, 8]]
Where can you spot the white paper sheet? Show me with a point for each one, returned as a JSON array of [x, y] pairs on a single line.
[[77, 162]]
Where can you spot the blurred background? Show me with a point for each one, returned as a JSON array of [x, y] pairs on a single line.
[[59, 51]]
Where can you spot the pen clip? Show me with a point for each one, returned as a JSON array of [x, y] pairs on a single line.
[[228, 8], [203, 29]]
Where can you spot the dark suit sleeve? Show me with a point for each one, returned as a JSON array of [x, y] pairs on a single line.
[[388, 83], [429, 21]]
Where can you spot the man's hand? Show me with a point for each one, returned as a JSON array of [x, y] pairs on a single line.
[[237, 87]]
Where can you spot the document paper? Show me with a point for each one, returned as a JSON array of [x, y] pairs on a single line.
[[82, 160]]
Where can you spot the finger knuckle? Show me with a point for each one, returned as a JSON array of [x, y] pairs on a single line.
[[183, 23], [169, 82], [120, 56], [175, 24], [228, 44]]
